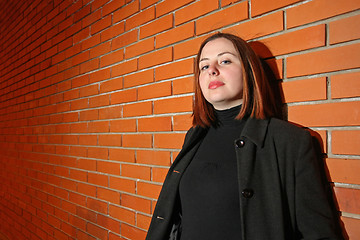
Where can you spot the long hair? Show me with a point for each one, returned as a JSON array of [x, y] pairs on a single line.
[[258, 100]]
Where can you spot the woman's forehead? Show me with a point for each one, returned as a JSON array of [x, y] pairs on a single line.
[[219, 46]]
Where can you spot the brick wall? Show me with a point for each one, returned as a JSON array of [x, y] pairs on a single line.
[[95, 99]]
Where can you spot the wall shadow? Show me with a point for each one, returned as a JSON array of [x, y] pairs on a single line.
[[274, 77]]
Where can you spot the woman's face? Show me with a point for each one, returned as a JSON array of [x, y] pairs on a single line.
[[221, 74]]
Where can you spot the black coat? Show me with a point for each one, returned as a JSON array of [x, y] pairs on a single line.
[[282, 194]]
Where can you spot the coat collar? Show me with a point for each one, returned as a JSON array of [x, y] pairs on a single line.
[[255, 130]]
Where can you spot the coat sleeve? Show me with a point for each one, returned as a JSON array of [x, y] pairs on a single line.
[[315, 215]]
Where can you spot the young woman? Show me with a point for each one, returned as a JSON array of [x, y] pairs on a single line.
[[241, 174]]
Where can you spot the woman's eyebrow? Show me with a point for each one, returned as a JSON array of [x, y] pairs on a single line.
[[220, 54]]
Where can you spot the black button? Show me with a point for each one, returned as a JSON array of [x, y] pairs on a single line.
[[247, 193], [240, 143]]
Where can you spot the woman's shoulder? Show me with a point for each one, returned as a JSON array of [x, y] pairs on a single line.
[[278, 127]]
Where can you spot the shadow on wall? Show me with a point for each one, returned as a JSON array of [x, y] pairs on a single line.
[[274, 77], [3, 237]]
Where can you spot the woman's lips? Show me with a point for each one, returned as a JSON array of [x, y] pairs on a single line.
[[215, 84]]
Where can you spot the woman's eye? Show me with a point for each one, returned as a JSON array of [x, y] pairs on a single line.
[[204, 67], [225, 61]]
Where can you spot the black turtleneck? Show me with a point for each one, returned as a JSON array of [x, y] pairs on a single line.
[[208, 190]]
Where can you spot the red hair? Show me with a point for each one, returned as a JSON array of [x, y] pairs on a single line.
[[258, 100]]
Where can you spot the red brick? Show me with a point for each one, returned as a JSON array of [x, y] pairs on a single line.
[[146, 3], [137, 109], [182, 122], [98, 179], [124, 68], [99, 101], [227, 16], [179, 104], [183, 85], [79, 104], [258, 27], [132, 232], [137, 140], [148, 190], [122, 155], [140, 18], [126, 11], [109, 195], [122, 184], [150, 157], [99, 127], [84, 236], [157, 26], [78, 151], [167, 6], [324, 61], [90, 42], [155, 58], [175, 35], [108, 223], [135, 171], [317, 10], [345, 142], [89, 115], [344, 29], [100, 50], [97, 152], [101, 25], [154, 90], [187, 48], [328, 114], [124, 39], [111, 85], [143, 221], [136, 203], [89, 66], [139, 78], [197, 9], [154, 124], [96, 205], [294, 41], [112, 31], [98, 3], [80, 58], [174, 69], [112, 7], [159, 174], [123, 96], [348, 199], [122, 214], [110, 140], [78, 175], [345, 85], [139, 47], [168, 140], [86, 164], [263, 6], [91, 18], [228, 2], [99, 75], [305, 90], [110, 112], [351, 226], [98, 232], [88, 140], [123, 125]]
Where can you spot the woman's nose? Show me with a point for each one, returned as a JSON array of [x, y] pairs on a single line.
[[213, 70]]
